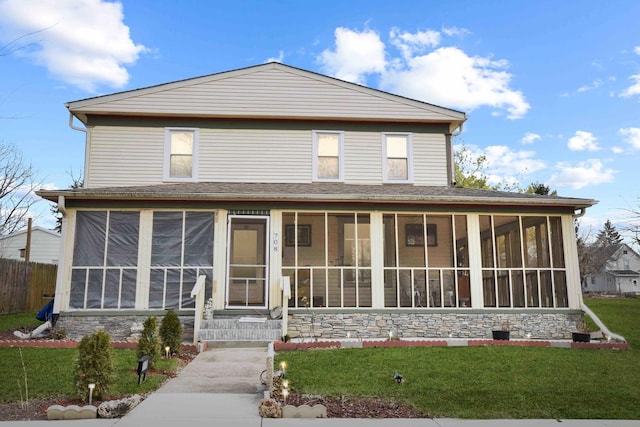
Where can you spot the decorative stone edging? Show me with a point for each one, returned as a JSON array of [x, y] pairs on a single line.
[[304, 411], [456, 342], [71, 412]]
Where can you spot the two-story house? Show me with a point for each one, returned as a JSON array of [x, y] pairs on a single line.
[[619, 275], [282, 188]]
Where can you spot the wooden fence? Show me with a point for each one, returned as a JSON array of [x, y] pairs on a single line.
[[25, 286]]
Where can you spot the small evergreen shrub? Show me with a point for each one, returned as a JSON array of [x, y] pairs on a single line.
[[95, 365], [171, 332], [149, 343]]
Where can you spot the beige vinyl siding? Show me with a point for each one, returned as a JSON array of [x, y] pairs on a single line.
[[121, 156], [265, 93], [429, 159], [250, 155], [363, 161]]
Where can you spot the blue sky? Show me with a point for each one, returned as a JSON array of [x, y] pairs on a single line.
[[551, 88]]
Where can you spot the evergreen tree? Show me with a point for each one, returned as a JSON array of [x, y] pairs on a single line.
[[608, 236]]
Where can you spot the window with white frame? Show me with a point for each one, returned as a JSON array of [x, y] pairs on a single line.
[[397, 162], [181, 251], [522, 261], [328, 159], [105, 258], [181, 154], [327, 256]]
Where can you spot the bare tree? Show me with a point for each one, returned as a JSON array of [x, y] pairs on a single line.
[[17, 184]]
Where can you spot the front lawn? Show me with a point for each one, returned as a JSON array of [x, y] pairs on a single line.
[[487, 382]]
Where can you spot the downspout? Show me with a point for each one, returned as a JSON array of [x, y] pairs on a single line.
[[610, 335]]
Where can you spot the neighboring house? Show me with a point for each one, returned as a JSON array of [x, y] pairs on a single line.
[[620, 275], [270, 175], [44, 248]]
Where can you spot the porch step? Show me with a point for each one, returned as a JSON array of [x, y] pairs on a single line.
[[241, 328]]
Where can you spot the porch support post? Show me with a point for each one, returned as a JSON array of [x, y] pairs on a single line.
[[574, 287], [475, 260], [220, 260], [377, 260], [144, 259]]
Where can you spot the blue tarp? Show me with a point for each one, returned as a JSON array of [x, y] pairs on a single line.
[[45, 312]]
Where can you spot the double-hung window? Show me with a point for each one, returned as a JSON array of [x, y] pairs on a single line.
[[328, 158], [181, 154], [397, 164]]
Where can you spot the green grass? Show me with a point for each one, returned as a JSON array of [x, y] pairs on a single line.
[[13, 321], [50, 373], [488, 382]]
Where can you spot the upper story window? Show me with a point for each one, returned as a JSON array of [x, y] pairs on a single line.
[[180, 154], [397, 163], [328, 158]]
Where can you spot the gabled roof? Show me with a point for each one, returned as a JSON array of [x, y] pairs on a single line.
[[267, 91], [320, 192]]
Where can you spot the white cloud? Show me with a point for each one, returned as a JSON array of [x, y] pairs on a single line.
[[582, 141], [634, 89], [455, 31], [446, 76], [355, 54], [631, 136], [84, 43], [279, 58], [617, 150], [581, 174], [596, 84], [501, 160], [411, 43], [637, 50], [530, 138]]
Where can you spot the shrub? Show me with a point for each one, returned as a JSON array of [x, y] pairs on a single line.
[[171, 332], [95, 365], [149, 344]]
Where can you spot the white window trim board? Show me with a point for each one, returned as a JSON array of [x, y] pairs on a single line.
[[167, 155], [409, 179], [340, 155]]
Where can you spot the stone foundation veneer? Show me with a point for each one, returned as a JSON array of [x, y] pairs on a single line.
[[443, 324], [120, 326]]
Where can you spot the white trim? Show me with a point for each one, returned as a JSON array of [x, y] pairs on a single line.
[[340, 155], [409, 179], [166, 171], [267, 249]]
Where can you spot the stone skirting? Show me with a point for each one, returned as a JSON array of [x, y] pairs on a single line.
[[405, 324], [120, 326]]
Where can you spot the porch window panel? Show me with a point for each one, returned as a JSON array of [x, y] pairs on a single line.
[[420, 290], [560, 286], [557, 247], [363, 237], [111, 288], [547, 299], [311, 248], [533, 291], [517, 287], [440, 250], [335, 238], [504, 288], [348, 290], [122, 246], [508, 247], [464, 288], [489, 288], [390, 288], [128, 288], [156, 288], [319, 288], [450, 298], [78, 286], [304, 287], [536, 244], [389, 224], [288, 250], [411, 241], [435, 289], [364, 288], [461, 236], [406, 288], [166, 248], [290, 273], [486, 247], [89, 243], [198, 238], [173, 289], [189, 278], [94, 288]]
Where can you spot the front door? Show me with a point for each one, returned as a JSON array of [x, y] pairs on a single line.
[[248, 259]]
